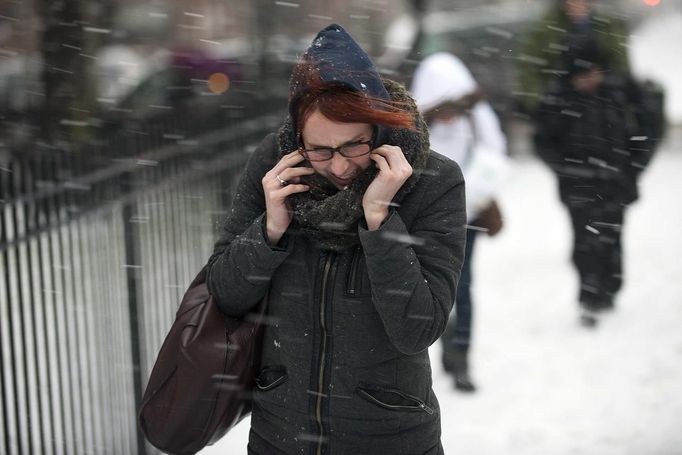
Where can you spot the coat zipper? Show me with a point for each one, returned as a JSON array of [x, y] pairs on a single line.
[[323, 351], [352, 287]]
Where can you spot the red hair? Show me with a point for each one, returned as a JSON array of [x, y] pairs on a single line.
[[342, 104]]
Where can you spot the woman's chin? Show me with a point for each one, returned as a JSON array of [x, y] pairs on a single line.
[[341, 184]]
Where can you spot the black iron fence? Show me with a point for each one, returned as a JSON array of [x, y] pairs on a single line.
[[93, 262]]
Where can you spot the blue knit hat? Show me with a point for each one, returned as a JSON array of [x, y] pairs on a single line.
[[340, 61]]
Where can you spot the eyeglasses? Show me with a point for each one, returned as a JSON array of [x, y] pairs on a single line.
[[350, 150]]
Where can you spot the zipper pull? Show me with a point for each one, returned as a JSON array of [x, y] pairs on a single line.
[[351, 287], [426, 408]]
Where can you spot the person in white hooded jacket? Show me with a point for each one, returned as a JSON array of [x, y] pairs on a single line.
[[463, 127]]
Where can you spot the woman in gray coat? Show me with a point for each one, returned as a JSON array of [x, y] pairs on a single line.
[[357, 231]]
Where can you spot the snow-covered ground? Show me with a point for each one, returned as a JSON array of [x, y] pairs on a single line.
[[546, 384], [549, 386]]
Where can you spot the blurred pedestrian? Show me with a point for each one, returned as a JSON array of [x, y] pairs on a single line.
[[357, 231], [463, 127], [546, 48], [588, 129]]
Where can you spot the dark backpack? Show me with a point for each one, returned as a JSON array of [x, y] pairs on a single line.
[[646, 125]]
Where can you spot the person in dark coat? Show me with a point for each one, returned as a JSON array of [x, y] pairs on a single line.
[[543, 48], [356, 232], [587, 131]]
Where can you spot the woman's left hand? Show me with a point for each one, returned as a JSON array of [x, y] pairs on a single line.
[[394, 170]]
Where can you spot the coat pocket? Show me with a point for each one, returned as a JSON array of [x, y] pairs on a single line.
[[393, 399], [271, 377]]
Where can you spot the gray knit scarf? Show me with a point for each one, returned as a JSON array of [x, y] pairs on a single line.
[[330, 216]]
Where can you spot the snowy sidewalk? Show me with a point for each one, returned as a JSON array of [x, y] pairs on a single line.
[[547, 385]]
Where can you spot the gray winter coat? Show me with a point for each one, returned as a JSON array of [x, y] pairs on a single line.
[[345, 360], [345, 367]]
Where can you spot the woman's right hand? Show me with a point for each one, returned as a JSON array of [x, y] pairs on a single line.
[[278, 183]]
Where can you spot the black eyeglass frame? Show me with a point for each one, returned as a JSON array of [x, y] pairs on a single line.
[[339, 150]]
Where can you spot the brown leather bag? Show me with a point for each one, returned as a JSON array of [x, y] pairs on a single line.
[[490, 219], [201, 383]]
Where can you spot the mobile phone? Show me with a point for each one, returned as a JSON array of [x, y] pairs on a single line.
[[381, 135]]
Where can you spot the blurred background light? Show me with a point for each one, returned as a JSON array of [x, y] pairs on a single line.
[[218, 83]]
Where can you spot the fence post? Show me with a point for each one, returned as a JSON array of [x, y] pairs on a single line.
[[133, 265]]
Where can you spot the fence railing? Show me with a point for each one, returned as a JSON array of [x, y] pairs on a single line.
[[92, 267]]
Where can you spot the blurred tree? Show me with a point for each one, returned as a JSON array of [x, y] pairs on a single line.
[[68, 87], [265, 23], [405, 69]]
